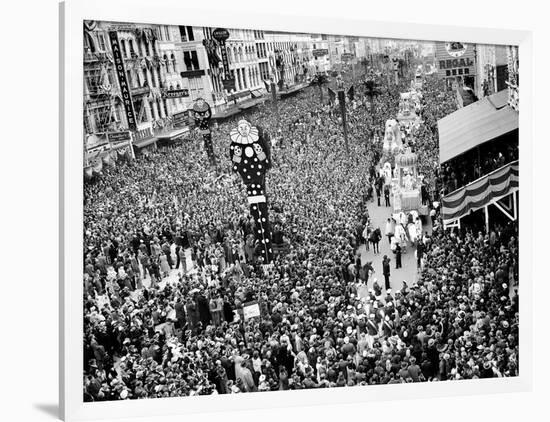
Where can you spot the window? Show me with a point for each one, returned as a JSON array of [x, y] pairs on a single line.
[[130, 79], [195, 87], [190, 35], [167, 32], [123, 48], [191, 60], [101, 40], [132, 50], [98, 117], [183, 33]]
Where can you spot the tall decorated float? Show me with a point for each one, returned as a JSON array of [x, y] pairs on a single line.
[[406, 187]]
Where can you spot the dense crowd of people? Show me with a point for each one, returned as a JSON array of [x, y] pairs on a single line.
[[476, 163], [151, 331]]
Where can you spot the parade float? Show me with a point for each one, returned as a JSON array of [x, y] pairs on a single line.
[[407, 197], [392, 138], [406, 186], [408, 106]]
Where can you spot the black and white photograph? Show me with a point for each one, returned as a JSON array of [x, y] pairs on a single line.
[[281, 211]]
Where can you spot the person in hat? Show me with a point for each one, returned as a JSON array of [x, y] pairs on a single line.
[[386, 271], [397, 256]]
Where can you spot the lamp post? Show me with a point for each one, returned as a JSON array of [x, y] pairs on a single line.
[[342, 102], [396, 70], [274, 100]]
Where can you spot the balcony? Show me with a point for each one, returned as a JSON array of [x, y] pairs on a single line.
[[93, 57]]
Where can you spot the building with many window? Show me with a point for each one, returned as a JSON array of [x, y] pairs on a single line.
[[167, 67], [492, 69]]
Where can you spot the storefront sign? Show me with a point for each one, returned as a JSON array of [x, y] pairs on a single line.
[[348, 56], [124, 87], [455, 59], [320, 52], [116, 137], [176, 93]]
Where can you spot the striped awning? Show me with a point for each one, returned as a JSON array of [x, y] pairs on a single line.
[[483, 191], [475, 124]]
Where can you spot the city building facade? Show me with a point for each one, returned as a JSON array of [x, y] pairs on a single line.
[[492, 68]]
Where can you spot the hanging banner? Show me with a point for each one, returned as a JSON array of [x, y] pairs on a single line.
[[122, 81]]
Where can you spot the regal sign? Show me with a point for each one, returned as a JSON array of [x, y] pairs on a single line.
[[123, 82], [455, 59]]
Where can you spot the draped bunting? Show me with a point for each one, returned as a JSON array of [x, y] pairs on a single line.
[[481, 192]]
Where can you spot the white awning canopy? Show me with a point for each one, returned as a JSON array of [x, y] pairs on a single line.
[[475, 124]]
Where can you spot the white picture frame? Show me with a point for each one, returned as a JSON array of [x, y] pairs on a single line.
[[72, 14]]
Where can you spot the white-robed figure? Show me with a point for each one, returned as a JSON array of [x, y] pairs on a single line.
[[413, 235], [387, 173], [401, 236]]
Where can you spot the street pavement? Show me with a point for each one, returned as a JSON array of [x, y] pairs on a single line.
[[408, 272]]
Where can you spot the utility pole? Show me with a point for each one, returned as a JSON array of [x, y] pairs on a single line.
[[342, 102], [274, 101]]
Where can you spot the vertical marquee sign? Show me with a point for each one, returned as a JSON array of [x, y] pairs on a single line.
[[123, 81], [221, 35]]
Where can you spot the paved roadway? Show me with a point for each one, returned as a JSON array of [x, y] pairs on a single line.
[[379, 215]]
